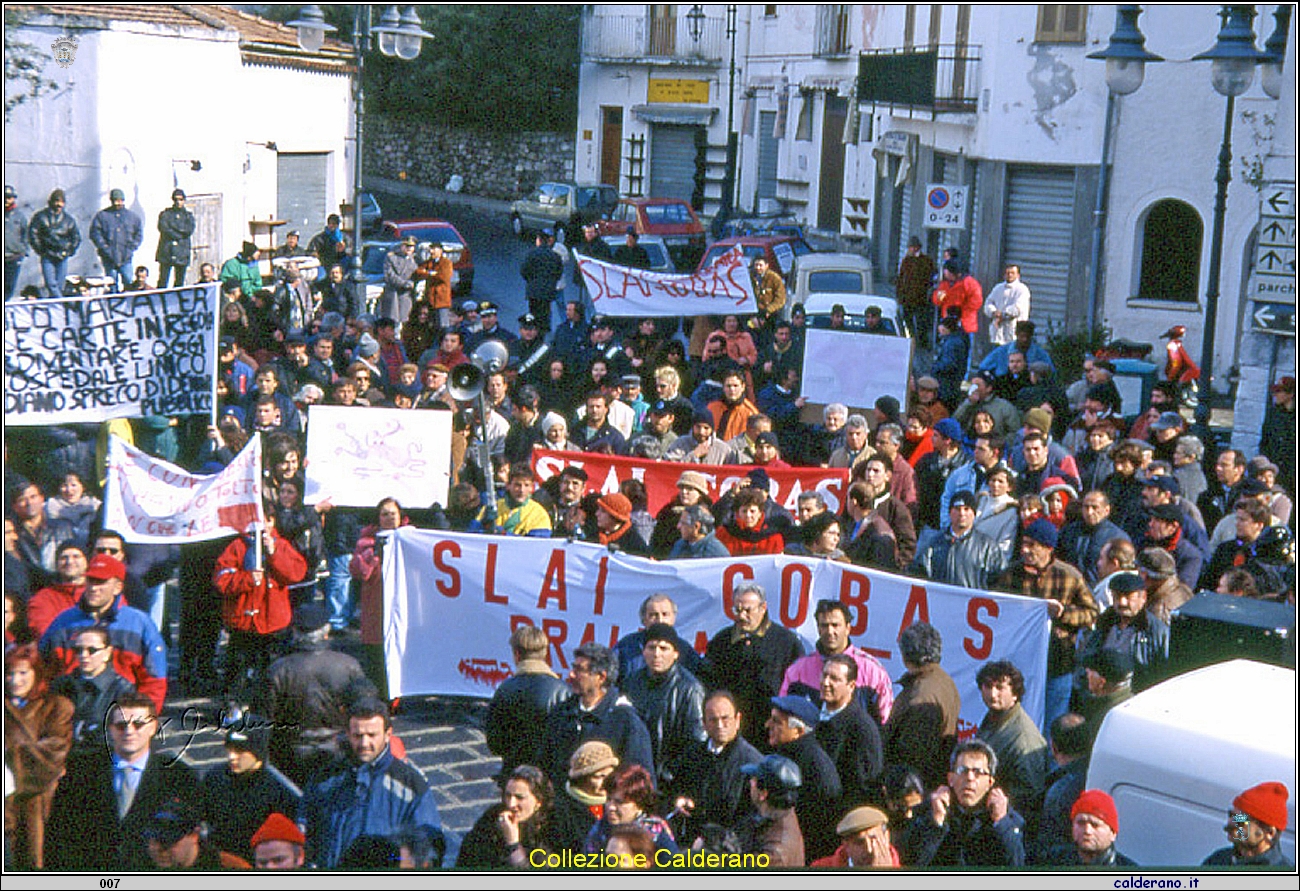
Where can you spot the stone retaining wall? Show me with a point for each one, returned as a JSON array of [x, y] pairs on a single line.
[[492, 166]]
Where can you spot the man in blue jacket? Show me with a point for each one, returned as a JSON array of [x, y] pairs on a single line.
[[376, 794], [116, 232]]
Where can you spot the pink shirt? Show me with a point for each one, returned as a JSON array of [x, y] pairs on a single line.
[[808, 671]]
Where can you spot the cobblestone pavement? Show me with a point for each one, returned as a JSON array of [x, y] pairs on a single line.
[[443, 737]]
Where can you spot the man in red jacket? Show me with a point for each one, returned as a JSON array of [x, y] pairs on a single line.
[[255, 606]]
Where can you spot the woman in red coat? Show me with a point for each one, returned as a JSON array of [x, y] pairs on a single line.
[[748, 532], [255, 605]]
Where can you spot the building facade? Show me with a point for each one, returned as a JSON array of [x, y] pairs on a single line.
[[215, 101], [848, 115]]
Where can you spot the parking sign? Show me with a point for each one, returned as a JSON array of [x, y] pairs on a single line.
[[945, 206]]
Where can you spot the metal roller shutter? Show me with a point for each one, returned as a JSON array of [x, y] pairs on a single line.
[[768, 153], [672, 161], [301, 193], [1038, 224], [905, 232]]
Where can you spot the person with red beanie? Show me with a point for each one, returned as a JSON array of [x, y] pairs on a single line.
[[1094, 824], [278, 844], [1255, 826]]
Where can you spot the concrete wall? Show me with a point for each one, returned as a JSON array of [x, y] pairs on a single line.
[[140, 103], [504, 167]]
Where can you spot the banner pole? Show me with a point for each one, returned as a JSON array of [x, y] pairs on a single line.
[[216, 346]]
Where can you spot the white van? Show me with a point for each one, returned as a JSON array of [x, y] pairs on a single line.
[[1174, 756]]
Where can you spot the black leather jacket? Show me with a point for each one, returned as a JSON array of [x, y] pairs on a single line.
[[54, 237], [672, 707], [1150, 649], [516, 718]]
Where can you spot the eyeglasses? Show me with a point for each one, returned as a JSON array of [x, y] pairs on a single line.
[[88, 651], [107, 550], [976, 772], [138, 724]]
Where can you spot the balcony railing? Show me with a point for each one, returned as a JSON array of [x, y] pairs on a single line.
[[942, 78], [657, 40]]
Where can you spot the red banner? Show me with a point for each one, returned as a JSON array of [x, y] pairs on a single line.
[[605, 472]]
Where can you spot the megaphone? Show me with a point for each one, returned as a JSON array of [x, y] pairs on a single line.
[[465, 382], [491, 356]]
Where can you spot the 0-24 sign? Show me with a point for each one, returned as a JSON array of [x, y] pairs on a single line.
[[945, 206]]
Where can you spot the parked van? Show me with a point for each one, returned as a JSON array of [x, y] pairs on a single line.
[[1174, 756]]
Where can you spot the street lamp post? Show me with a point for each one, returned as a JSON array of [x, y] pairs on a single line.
[[397, 34], [1233, 59], [733, 140], [1126, 59]]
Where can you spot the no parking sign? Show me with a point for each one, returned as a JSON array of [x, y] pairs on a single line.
[[945, 207]]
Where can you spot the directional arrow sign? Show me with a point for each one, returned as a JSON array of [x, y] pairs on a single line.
[[1275, 260], [1277, 232], [1278, 201], [1275, 318]]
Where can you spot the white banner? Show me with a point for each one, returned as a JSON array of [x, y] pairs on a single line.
[[452, 600], [357, 456], [724, 288], [149, 500], [855, 368], [89, 359]]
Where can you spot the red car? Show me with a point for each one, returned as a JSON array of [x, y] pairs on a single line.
[[428, 231], [672, 219], [780, 251]]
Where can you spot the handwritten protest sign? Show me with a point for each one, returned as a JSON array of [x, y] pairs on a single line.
[[578, 592], [150, 500], [357, 456], [606, 472], [855, 368], [725, 287], [87, 359]]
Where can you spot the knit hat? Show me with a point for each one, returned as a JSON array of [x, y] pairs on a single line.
[[617, 506], [1039, 419], [590, 757], [693, 479], [758, 479], [948, 427], [702, 417], [278, 827], [1041, 531], [1266, 803], [256, 740], [1097, 803], [117, 195], [660, 631]]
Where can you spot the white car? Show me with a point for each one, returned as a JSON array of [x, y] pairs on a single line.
[[823, 281]]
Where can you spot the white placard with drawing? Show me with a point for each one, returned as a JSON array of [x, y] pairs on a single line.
[[357, 456]]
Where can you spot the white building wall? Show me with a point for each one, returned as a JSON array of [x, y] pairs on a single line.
[[138, 104], [1166, 145]]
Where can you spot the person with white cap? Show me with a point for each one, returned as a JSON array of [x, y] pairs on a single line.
[[116, 232]]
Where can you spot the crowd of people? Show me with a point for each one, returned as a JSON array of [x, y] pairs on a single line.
[[997, 475]]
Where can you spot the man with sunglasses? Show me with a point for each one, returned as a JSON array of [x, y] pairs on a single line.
[[139, 653], [105, 801], [970, 821]]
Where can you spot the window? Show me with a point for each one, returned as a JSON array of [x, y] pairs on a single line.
[[832, 30], [663, 29], [1061, 23], [803, 126], [1171, 253]]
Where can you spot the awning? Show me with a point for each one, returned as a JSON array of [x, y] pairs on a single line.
[[665, 113]]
